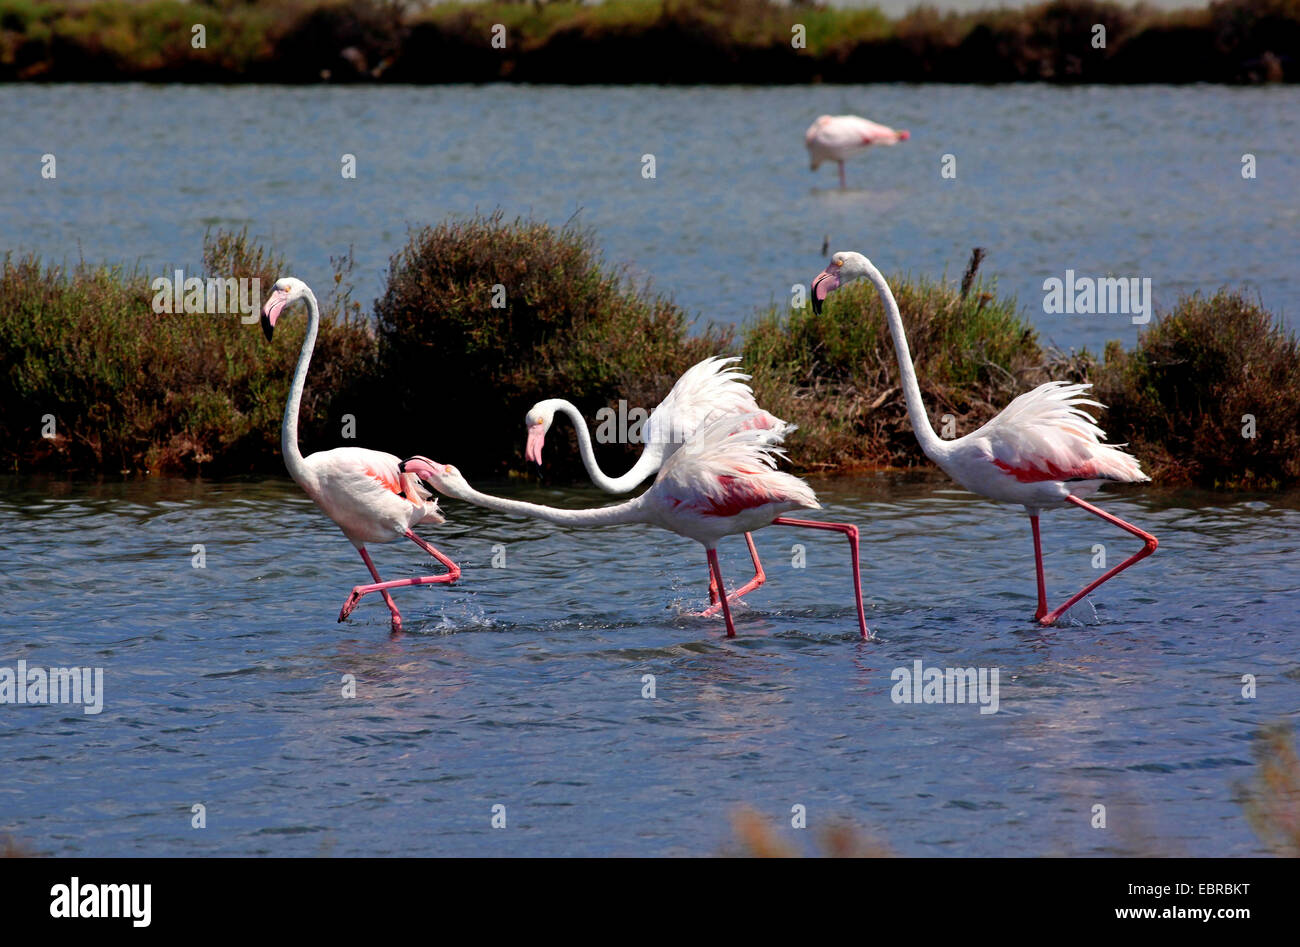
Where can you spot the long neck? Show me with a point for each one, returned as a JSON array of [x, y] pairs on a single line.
[[930, 442], [289, 427], [646, 464], [628, 512]]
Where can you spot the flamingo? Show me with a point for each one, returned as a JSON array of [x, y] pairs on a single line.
[[705, 391], [1042, 451], [363, 491], [836, 137], [721, 482]]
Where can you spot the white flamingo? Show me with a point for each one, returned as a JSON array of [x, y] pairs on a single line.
[[721, 482], [363, 491], [837, 137], [705, 391], [1043, 450]]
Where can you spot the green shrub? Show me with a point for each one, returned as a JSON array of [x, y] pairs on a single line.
[[134, 390], [835, 375], [1181, 396], [461, 373]]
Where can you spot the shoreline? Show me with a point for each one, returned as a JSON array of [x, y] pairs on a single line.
[[646, 42]]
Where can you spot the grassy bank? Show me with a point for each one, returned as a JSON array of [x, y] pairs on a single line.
[[92, 379], [482, 317], [642, 41]]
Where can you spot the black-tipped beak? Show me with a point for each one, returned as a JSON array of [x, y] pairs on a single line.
[[816, 304], [402, 466], [267, 327]]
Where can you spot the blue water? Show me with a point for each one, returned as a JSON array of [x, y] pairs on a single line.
[[1140, 182], [522, 685]]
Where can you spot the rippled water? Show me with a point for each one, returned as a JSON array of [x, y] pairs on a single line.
[[522, 685], [1140, 182]]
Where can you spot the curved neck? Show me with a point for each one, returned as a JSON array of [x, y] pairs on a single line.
[[930, 442], [289, 427], [628, 512], [649, 461]]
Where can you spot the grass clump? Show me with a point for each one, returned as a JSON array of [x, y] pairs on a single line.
[[1272, 800], [835, 375], [1182, 396], [133, 390], [567, 325]]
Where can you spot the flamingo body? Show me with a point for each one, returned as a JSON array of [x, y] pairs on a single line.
[[721, 482], [363, 491], [710, 389], [366, 495], [1042, 451], [1042, 448], [840, 137]]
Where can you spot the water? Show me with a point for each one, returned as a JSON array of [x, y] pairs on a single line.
[[522, 685], [1139, 182]]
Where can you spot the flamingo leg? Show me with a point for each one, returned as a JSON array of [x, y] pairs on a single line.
[[1038, 562], [851, 531], [759, 578], [452, 574], [379, 586], [716, 571], [1149, 544]]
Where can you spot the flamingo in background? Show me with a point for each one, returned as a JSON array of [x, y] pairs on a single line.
[[363, 491], [836, 137], [1042, 451], [708, 390], [721, 482]]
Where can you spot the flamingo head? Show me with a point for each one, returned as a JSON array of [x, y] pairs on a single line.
[[444, 478], [538, 421], [286, 290], [844, 267]]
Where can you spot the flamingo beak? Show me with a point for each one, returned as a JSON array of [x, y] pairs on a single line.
[[826, 282], [422, 467], [271, 311], [536, 438]]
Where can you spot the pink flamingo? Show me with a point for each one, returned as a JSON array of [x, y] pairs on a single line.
[[836, 137], [1041, 451], [363, 491], [706, 391], [721, 482]]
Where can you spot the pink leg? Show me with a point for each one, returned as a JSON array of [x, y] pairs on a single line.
[[716, 571], [851, 531], [382, 587], [1149, 546], [843, 186], [759, 578], [1038, 562], [351, 603]]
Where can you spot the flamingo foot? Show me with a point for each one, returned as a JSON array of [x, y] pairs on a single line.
[[352, 602], [756, 582]]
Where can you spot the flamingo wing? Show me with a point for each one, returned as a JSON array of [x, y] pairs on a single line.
[[730, 466], [706, 391], [1046, 434]]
